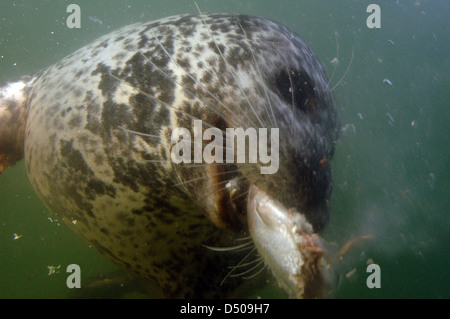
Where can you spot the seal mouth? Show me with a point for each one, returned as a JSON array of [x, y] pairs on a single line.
[[286, 241]]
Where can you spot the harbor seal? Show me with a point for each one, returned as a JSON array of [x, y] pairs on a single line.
[[95, 130]]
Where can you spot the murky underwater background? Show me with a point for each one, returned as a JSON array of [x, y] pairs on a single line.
[[391, 168]]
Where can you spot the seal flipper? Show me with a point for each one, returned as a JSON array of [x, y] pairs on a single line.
[[13, 115]]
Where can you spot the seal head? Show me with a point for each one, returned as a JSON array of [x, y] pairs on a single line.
[[98, 144]]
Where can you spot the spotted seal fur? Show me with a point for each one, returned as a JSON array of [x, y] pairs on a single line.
[[95, 130]]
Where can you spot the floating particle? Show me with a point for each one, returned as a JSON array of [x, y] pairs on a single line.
[[95, 20], [53, 269], [391, 119], [350, 273], [335, 61], [349, 128], [431, 180]]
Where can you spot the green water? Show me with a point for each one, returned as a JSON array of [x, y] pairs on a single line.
[[391, 168]]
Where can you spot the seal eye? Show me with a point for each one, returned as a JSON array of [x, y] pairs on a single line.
[[296, 88]]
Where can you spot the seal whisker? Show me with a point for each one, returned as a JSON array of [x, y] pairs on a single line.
[[231, 248], [248, 270], [337, 56], [257, 260], [234, 268], [245, 193], [198, 165], [169, 140], [223, 188], [345, 73], [143, 134], [220, 189], [224, 148], [292, 91], [179, 178], [258, 272], [204, 177], [244, 238], [229, 68]]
